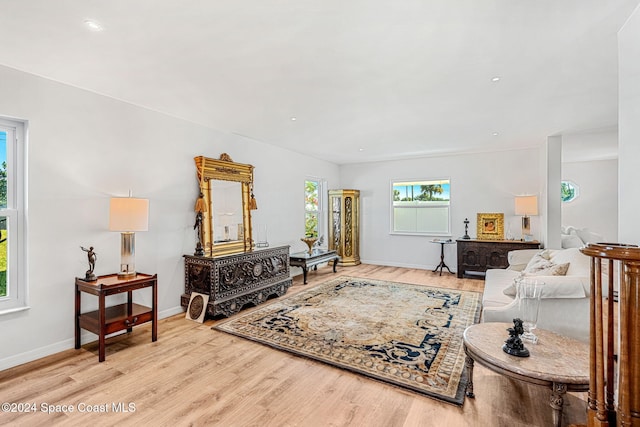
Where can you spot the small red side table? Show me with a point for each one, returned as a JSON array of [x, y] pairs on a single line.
[[107, 320]]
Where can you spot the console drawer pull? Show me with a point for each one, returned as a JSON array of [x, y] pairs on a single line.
[[133, 322]]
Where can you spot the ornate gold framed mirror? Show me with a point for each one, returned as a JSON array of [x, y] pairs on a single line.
[[225, 205]]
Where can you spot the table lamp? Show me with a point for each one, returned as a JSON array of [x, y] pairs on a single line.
[[128, 215], [525, 206]]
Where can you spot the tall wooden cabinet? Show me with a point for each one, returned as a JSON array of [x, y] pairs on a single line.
[[344, 225]]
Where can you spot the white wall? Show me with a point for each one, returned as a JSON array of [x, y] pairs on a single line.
[[596, 207], [480, 182], [85, 148], [629, 130]]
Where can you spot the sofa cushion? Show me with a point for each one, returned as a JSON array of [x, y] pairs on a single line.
[[557, 287], [519, 258], [578, 262]]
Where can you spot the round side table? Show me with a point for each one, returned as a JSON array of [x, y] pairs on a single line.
[[442, 264]]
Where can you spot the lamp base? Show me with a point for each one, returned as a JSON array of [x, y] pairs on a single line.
[[127, 275], [526, 229], [127, 256]]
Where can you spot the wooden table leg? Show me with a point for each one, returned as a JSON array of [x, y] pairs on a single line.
[[335, 262], [130, 309], [154, 321], [103, 319], [558, 391], [304, 275], [78, 299], [468, 363]]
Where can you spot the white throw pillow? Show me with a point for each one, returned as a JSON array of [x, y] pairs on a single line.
[[571, 241], [579, 262], [552, 270], [540, 261], [519, 258], [511, 290]]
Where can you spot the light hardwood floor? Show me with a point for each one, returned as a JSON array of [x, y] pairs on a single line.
[[194, 375]]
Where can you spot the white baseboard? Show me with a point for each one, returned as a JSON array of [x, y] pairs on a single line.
[[48, 350]]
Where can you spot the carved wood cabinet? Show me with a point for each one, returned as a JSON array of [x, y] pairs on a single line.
[[232, 281], [344, 225], [477, 256]]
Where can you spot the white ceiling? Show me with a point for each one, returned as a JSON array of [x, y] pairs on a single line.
[[366, 79]]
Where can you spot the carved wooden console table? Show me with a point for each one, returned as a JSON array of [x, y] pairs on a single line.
[[475, 257], [232, 281]]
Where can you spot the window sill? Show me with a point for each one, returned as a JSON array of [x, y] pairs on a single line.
[[14, 310]]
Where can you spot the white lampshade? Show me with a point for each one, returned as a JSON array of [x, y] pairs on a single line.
[[128, 214], [526, 205]]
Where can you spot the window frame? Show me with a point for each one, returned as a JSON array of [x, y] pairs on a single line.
[[574, 186], [392, 221], [17, 297]]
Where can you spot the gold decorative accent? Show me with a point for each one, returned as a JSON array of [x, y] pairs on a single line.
[[490, 226], [310, 241], [344, 228], [226, 170]]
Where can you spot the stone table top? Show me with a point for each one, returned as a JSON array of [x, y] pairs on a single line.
[[555, 358]]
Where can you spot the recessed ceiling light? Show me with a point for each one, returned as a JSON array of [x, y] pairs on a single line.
[[93, 25], [360, 149], [495, 134], [495, 79], [293, 119]]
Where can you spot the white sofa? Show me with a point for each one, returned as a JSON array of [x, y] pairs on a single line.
[[564, 304]]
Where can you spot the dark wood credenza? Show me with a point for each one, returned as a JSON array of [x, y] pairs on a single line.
[[475, 257], [232, 281]]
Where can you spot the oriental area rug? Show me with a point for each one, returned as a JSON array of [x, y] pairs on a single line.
[[403, 334]]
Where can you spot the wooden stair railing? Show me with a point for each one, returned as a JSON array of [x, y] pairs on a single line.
[[614, 330]]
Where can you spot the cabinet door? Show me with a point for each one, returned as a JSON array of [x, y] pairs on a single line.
[[198, 278]]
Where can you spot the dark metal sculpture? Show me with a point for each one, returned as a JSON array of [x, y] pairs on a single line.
[[513, 345], [466, 229], [92, 257], [199, 208]]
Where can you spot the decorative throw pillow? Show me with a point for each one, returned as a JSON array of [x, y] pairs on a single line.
[[511, 290], [540, 261], [552, 270], [571, 241]]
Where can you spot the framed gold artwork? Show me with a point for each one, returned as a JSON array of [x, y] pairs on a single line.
[[490, 226]]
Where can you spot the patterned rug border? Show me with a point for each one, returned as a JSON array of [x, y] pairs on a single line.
[[458, 400]]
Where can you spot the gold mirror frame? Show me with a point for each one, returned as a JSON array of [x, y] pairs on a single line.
[[224, 169]]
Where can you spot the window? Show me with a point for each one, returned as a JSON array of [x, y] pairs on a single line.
[[421, 207], [13, 294], [569, 191], [311, 207]]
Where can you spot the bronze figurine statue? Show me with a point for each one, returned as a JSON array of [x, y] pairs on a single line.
[[92, 257], [200, 207]]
